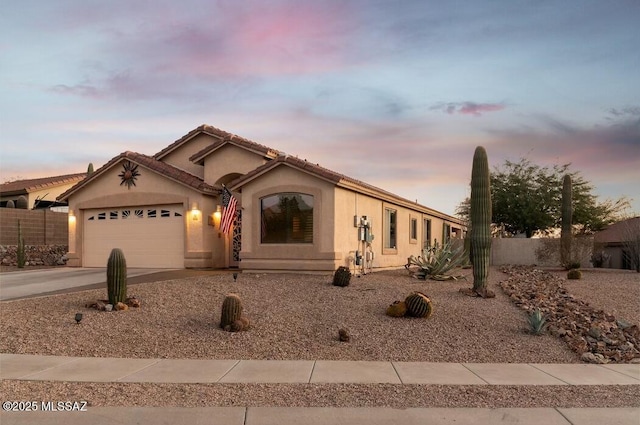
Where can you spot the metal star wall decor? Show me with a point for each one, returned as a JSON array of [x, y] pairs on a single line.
[[129, 174]]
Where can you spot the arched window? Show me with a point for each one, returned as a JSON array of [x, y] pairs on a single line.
[[286, 218]]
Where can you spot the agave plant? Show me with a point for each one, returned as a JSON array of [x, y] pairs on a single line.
[[437, 261], [537, 322]]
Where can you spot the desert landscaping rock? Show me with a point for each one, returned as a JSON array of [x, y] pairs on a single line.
[[587, 330]]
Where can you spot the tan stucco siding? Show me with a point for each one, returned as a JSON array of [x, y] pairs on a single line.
[[350, 204], [319, 255], [180, 156], [230, 160], [151, 189]]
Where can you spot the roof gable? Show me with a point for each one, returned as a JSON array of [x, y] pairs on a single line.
[[164, 169], [203, 129], [241, 142]]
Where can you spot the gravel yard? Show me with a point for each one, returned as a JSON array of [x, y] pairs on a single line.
[[298, 317], [292, 317]]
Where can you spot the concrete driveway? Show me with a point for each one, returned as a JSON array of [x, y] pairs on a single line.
[[29, 283]]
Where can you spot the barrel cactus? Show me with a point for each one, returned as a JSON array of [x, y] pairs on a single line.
[[397, 309], [116, 277], [566, 236], [342, 277], [480, 235], [419, 305], [10, 204], [231, 311]]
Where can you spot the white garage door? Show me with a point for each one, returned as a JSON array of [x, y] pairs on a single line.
[[150, 236]]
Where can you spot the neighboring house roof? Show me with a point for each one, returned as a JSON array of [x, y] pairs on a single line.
[[23, 187], [619, 232], [233, 139], [339, 180], [169, 171]]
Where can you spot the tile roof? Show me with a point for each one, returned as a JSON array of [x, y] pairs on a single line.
[[224, 138], [339, 180], [204, 128], [153, 164], [30, 185], [619, 232], [238, 141]]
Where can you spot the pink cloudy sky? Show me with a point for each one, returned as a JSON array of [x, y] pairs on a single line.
[[395, 93]]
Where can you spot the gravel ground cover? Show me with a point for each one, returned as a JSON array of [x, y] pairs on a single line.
[[298, 317], [292, 317]]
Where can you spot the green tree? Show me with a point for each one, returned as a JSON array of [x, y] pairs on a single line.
[[527, 198]]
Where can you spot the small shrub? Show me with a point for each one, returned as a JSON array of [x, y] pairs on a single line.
[[574, 274], [537, 322]]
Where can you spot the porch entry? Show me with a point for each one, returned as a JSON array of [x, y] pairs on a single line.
[[235, 240]]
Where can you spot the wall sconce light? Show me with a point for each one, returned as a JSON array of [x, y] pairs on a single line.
[[72, 217], [195, 212], [217, 216]]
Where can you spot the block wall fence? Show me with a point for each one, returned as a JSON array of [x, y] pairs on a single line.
[[39, 227]]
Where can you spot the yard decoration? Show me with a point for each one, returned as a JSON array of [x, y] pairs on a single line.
[[419, 305], [342, 277], [565, 235], [480, 236], [116, 277]]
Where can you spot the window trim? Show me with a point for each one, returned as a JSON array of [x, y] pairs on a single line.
[[285, 243], [387, 230], [427, 225], [413, 229]]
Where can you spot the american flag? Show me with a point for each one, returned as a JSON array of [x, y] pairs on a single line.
[[229, 202]]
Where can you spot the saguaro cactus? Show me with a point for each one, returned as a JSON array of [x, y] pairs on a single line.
[[20, 253], [567, 211], [480, 237], [116, 277]]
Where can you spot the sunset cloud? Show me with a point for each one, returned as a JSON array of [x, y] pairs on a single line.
[[397, 94], [468, 108]]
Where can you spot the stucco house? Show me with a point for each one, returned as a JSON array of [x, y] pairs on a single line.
[[165, 211], [39, 192], [621, 244]]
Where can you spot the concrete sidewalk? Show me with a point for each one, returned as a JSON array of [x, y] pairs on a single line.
[[94, 369], [326, 416], [102, 369]]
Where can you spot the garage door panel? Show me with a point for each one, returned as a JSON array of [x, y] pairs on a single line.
[[149, 237]]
